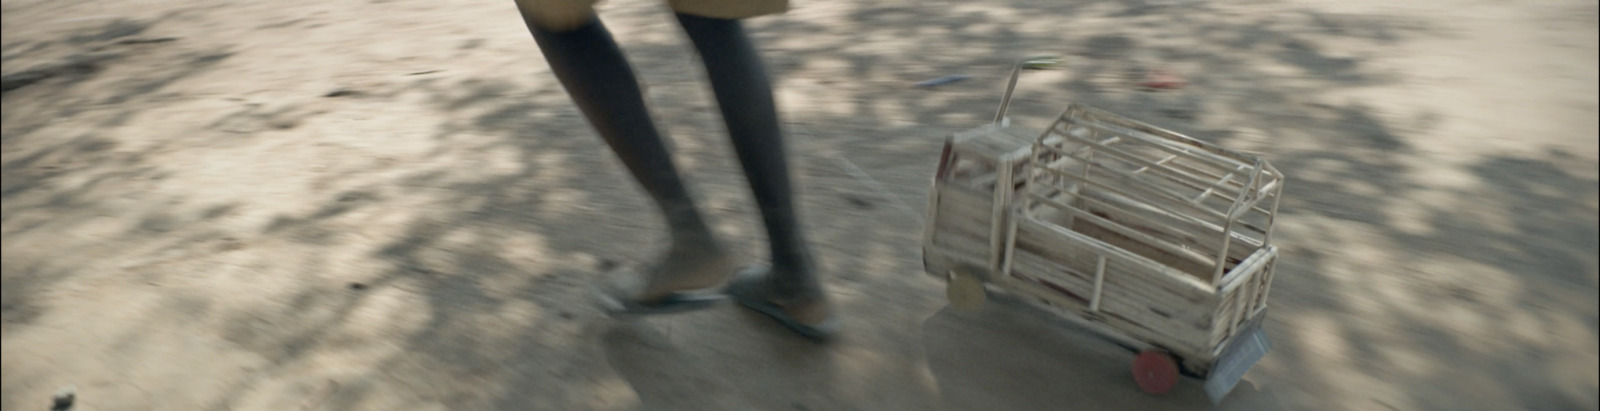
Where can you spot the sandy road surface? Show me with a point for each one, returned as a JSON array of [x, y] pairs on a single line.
[[390, 205]]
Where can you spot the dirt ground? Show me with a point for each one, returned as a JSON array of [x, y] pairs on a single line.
[[391, 205]]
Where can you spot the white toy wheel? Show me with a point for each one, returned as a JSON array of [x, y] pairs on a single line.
[[965, 291]]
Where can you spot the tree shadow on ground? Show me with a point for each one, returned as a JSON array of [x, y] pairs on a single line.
[[479, 296]]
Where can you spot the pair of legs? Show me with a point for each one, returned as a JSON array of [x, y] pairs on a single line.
[[599, 79]]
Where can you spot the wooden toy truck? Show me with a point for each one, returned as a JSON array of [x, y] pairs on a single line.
[[1159, 241]]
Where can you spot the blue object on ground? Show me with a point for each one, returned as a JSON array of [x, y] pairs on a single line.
[[942, 80]]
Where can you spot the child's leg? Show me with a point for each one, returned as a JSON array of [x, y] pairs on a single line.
[[744, 94], [599, 79]]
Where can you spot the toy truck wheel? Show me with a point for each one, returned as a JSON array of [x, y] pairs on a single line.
[[1155, 371], [965, 290]]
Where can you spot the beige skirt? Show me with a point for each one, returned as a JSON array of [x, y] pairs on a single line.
[[562, 15]]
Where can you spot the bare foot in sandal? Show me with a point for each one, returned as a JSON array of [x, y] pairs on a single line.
[[802, 307], [688, 266], [682, 280]]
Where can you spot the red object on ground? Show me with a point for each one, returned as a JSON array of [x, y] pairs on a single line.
[[1155, 371], [1163, 80]]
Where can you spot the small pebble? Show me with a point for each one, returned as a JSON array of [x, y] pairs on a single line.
[[64, 398], [858, 201], [342, 93]]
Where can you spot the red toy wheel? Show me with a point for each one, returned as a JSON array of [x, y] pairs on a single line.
[[1155, 371]]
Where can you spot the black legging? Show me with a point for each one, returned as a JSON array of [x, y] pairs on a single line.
[[598, 77]]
